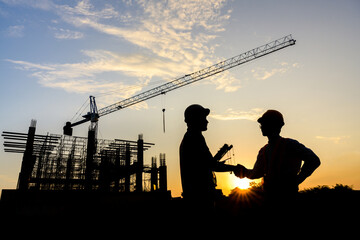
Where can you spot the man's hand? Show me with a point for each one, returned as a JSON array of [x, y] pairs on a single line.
[[300, 178], [240, 171]]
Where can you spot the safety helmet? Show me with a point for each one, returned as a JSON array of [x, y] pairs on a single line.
[[272, 117], [194, 112]]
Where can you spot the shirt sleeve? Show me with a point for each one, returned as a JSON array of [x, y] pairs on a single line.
[[311, 160], [258, 170]]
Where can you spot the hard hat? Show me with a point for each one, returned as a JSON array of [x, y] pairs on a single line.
[[195, 111], [272, 117]]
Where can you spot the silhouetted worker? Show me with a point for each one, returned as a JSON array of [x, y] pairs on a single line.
[[197, 163], [279, 162]]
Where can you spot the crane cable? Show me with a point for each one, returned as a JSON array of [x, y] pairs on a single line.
[[163, 103], [81, 110], [163, 110]]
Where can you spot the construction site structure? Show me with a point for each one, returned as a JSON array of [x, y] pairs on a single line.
[[60, 162]]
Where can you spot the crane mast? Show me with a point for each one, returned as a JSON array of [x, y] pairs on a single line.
[[187, 79]]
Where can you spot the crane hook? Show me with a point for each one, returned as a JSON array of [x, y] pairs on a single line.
[[163, 110]]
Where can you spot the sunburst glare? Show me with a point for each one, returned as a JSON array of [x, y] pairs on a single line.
[[243, 183]]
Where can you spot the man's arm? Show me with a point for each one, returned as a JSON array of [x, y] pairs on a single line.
[[256, 172], [222, 167], [311, 161]]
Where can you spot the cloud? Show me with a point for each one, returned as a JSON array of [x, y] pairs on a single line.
[[226, 82], [40, 4], [164, 28], [231, 114], [261, 73], [82, 77], [173, 37], [86, 9], [61, 33], [335, 140], [86, 77], [29, 66], [178, 31], [16, 31]]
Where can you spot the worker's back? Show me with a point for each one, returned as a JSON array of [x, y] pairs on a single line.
[[282, 162]]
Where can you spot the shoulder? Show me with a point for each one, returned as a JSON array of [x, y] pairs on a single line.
[[262, 150], [193, 136], [193, 140], [290, 141], [295, 145]]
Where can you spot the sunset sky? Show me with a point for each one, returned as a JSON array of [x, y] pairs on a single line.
[[54, 54]]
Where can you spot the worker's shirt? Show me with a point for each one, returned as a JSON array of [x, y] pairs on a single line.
[[280, 162], [196, 165]]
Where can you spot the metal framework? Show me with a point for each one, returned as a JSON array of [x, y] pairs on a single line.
[[60, 162], [190, 78]]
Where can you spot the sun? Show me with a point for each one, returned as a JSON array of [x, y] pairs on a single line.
[[243, 183]]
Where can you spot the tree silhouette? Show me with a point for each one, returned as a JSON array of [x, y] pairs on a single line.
[[338, 188], [318, 202]]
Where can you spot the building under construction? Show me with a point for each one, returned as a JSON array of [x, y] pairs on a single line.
[[60, 162], [66, 171]]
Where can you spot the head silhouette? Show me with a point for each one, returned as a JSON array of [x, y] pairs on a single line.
[[195, 117], [271, 123]]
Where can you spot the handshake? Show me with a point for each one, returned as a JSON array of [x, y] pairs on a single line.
[[240, 171]]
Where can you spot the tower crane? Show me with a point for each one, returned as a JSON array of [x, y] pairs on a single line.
[[187, 79]]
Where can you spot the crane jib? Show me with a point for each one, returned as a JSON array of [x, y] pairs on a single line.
[[190, 78], [199, 75]]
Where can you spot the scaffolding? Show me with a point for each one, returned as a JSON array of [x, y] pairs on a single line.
[[60, 162]]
